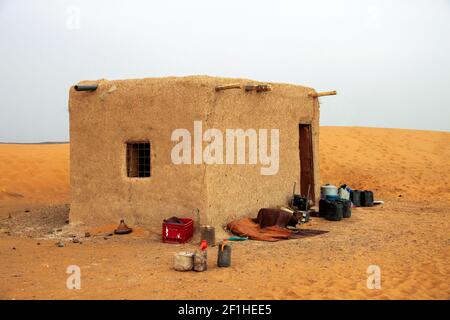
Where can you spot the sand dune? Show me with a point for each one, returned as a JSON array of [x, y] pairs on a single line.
[[392, 162], [407, 236], [33, 174]]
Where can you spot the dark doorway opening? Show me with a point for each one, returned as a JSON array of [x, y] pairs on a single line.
[[306, 162]]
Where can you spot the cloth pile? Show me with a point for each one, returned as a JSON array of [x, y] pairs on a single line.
[[270, 225]]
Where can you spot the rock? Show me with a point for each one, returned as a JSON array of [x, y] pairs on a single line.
[[14, 248], [60, 244], [106, 238], [75, 240], [38, 243], [87, 234], [27, 210]]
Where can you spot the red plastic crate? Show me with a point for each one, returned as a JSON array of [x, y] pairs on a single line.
[[178, 233]]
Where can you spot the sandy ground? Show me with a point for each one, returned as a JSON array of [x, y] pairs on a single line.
[[33, 175], [408, 237]]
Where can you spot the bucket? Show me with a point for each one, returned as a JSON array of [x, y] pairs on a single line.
[[208, 233], [366, 198], [200, 261], [328, 190], [355, 197], [347, 208], [335, 211], [323, 207], [183, 261], [224, 255]]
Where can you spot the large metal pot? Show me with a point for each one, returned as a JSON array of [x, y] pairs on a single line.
[[328, 190]]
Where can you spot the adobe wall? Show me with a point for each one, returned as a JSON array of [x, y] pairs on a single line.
[[101, 122], [241, 190], [100, 125]]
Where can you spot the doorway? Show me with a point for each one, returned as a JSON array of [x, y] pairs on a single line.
[[306, 162]]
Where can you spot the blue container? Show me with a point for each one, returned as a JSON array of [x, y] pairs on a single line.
[[332, 197]]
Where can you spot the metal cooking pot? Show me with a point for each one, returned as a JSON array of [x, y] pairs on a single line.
[[328, 190]]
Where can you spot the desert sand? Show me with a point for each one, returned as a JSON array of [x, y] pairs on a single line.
[[33, 175], [408, 237]]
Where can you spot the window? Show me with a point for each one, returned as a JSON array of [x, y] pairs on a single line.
[[138, 159]]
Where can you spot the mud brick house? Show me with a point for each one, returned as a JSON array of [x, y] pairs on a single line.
[[148, 149]]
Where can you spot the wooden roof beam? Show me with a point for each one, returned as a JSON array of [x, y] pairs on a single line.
[[321, 94]]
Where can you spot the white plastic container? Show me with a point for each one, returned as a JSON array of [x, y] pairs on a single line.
[[183, 261], [344, 194], [328, 190]]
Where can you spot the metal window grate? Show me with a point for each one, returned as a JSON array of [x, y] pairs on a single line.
[[138, 159]]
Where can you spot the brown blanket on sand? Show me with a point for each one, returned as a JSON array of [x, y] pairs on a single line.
[[246, 227], [275, 217]]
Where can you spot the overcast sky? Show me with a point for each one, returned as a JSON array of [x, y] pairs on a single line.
[[388, 60]]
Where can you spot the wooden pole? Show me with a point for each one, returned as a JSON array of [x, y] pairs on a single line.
[[258, 87], [321, 94], [228, 86]]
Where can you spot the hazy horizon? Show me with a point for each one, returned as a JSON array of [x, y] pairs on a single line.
[[389, 61]]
